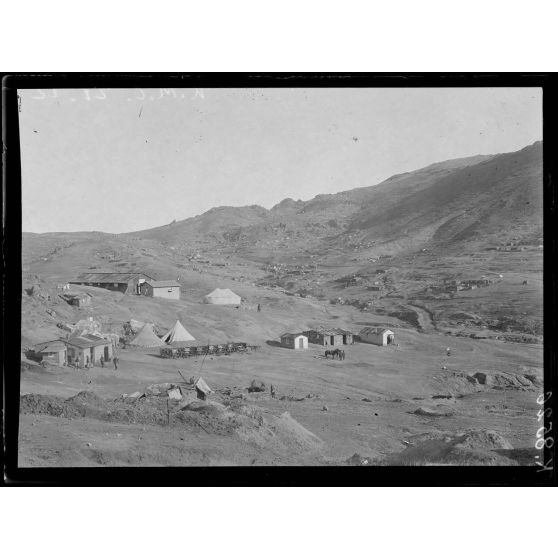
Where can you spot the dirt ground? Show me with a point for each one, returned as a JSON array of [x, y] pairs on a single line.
[[364, 405]]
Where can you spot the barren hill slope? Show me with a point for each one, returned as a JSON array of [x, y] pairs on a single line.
[[503, 192], [430, 221], [445, 202]]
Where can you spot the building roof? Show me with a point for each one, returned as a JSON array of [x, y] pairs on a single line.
[[168, 283], [87, 340], [109, 277], [375, 330], [292, 335], [330, 331], [50, 347]]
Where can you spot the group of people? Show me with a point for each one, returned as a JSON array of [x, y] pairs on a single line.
[[89, 364]]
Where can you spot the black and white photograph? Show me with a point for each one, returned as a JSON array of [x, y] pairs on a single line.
[[281, 276]]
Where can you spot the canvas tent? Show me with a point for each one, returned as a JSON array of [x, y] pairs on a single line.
[[176, 334], [146, 338], [222, 296]]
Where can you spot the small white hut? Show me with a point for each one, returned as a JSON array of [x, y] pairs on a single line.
[[377, 336], [294, 341]]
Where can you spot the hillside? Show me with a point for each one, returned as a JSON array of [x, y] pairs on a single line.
[[446, 256], [445, 203], [444, 221]]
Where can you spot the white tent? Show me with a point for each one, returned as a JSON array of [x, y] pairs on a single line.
[[176, 334], [222, 296], [146, 338]]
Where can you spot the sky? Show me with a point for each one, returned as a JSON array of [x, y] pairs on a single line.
[[119, 160]]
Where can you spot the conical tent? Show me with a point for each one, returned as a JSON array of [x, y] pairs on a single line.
[[222, 296], [146, 338], [176, 334]]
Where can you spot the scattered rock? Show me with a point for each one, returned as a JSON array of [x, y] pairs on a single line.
[[158, 389], [437, 412], [256, 385], [367, 400], [325, 408], [534, 379], [484, 439], [501, 380], [175, 394], [358, 460]]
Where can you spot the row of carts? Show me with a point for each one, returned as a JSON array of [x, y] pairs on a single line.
[[202, 350]]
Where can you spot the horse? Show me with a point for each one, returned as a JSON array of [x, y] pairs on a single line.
[[329, 353], [337, 353]]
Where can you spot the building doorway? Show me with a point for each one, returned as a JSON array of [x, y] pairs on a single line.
[[106, 356], [301, 343], [332, 340]]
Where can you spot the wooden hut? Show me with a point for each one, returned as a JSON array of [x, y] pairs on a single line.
[[294, 341]]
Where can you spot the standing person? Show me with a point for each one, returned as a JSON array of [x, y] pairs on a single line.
[[115, 362], [259, 308], [272, 392], [102, 361]]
